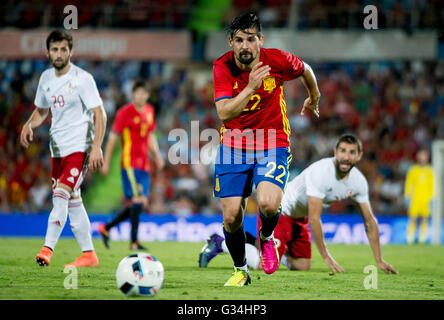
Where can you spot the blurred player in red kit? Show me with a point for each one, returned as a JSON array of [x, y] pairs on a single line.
[[134, 125]]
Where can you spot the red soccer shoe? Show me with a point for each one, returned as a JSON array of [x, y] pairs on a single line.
[[87, 259], [44, 257]]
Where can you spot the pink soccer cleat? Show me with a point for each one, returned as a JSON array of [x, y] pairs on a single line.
[[269, 255]]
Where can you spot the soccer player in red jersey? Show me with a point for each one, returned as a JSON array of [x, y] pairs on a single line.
[[255, 136], [135, 125]]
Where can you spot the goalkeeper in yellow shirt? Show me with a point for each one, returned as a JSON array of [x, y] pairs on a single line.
[[418, 195]]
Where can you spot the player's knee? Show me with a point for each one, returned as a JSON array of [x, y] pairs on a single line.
[[300, 264], [232, 221], [57, 217], [305, 266], [269, 198], [233, 214], [269, 207], [301, 268]]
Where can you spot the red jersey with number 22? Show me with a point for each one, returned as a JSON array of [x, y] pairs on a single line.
[[134, 126], [266, 109]]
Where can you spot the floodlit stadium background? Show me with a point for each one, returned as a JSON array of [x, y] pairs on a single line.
[[385, 85]]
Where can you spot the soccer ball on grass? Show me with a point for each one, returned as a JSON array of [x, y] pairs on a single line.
[[140, 274]]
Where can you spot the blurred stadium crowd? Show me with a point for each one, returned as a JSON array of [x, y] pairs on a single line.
[[178, 14], [395, 108]]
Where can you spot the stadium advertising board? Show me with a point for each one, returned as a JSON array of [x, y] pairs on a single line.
[[99, 45], [347, 229]]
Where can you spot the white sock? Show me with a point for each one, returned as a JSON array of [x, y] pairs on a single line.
[[244, 268], [224, 247], [57, 217], [251, 253], [284, 261], [253, 256], [80, 225]]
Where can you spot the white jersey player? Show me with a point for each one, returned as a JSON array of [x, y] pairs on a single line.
[[77, 129], [70, 98], [319, 180], [322, 183]]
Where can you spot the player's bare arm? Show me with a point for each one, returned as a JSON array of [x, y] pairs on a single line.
[[109, 149], [36, 119], [96, 156], [308, 78], [314, 218], [228, 109], [372, 230], [153, 148]]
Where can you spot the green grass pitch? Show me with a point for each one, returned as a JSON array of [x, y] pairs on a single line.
[[421, 274]]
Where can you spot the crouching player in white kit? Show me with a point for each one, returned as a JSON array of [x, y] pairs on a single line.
[[77, 129], [318, 186]]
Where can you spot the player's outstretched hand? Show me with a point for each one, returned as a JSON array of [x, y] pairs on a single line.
[[95, 159], [333, 265], [26, 135], [387, 268], [312, 104], [257, 75]]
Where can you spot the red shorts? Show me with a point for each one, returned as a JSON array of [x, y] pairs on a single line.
[[70, 170], [291, 236]]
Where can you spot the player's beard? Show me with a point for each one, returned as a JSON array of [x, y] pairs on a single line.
[[342, 171], [245, 57], [61, 63]]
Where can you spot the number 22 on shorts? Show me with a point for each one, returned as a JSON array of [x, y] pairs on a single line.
[[270, 172]]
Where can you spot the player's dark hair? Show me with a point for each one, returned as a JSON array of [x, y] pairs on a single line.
[[350, 139], [246, 20], [57, 36], [140, 84]]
